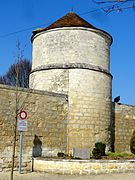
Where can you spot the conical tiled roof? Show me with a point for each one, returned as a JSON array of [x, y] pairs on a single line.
[[69, 20]]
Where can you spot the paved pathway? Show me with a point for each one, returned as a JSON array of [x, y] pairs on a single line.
[[43, 176]]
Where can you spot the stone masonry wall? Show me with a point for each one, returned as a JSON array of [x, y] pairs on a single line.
[[124, 122], [55, 80], [84, 167], [89, 108], [69, 45], [76, 61], [57, 50], [47, 119]]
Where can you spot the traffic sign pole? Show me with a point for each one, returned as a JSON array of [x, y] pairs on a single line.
[[20, 158], [22, 126]]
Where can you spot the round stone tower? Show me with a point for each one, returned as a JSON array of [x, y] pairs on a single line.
[[73, 57]]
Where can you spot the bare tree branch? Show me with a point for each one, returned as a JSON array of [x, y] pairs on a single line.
[[22, 69]]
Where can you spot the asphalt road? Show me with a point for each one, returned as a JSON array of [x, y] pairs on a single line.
[[44, 176]]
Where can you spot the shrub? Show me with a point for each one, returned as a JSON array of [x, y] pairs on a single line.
[[60, 154], [101, 146], [99, 150], [96, 153], [132, 143]]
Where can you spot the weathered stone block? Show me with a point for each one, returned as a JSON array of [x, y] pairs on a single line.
[[82, 153]]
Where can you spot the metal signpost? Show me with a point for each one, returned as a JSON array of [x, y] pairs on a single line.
[[22, 126]]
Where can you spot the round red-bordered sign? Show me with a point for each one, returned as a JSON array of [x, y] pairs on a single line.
[[23, 114]]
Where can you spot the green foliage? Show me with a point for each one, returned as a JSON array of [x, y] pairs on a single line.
[[99, 150], [101, 146], [132, 143], [123, 154]]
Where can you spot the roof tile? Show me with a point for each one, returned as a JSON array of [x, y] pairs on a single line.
[[69, 20]]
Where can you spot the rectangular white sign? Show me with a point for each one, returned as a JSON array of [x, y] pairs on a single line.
[[22, 125]]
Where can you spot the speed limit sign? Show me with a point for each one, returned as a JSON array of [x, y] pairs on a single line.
[[23, 115]]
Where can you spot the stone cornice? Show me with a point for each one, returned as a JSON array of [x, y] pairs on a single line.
[[72, 66]]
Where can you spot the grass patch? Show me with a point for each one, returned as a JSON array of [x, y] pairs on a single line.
[[123, 154]]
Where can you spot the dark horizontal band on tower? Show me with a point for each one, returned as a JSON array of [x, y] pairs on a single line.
[[71, 66]]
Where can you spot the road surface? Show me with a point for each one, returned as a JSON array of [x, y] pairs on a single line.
[[44, 176]]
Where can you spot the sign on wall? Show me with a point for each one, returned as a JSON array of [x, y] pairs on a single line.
[[22, 125], [22, 122]]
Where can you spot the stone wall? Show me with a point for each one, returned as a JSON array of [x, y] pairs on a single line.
[[57, 50], [47, 119], [53, 80], [60, 127], [81, 167], [124, 122], [89, 108], [71, 44]]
